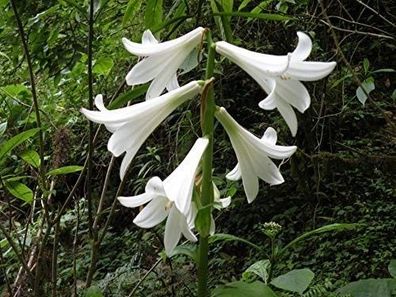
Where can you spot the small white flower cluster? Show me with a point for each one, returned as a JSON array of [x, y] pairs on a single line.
[[130, 126]]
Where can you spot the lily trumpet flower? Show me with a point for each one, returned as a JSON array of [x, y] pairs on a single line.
[[133, 124], [280, 76], [253, 155], [161, 60], [171, 198]]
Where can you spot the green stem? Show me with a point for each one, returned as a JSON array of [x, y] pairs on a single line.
[[207, 120], [90, 105]]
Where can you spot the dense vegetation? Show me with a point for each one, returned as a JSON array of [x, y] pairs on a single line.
[[63, 234]]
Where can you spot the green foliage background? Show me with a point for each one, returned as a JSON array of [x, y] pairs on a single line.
[[344, 170]]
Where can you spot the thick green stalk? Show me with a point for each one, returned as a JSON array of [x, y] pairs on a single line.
[[207, 120]]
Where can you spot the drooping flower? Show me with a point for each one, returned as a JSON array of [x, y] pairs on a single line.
[[280, 76], [171, 198], [254, 155], [160, 60], [133, 124]]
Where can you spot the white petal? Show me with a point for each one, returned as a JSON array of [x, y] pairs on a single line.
[[294, 93], [179, 185], [99, 102], [216, 193], [163, 47], [155, 185], [289, 115], [270, 136], [153, 213], [147, 69], [267, 64], [187, 232], [148, 38], [269, 103], [266, 170], [234, 174], [250, 182], [304, 47], [134, 201], [172, 230], [142, 110], [126, 160], [173, 83], [309, 71], [225, 202]]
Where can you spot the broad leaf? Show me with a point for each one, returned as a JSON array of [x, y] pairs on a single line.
[[243, 289], [132, 8], [365, 89], [260, 269], [371, 288], [14, 90], [19, 190], [297, 280], [153, 14], [15, 141], [65, 170], [103, 66], [328, 228], [128, 96], [188, 250], [229, 237], [31, 157]]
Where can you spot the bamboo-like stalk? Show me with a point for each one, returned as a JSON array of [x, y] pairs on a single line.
[[207, 120]]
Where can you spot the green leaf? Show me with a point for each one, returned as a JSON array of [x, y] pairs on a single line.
[[328, 228], [103, 66], [225, 6], [366, 65], [132, 8], [188, 250], [365, 89], [392, 268], [19, 190], [259, 268], [129, 96], [3, 127], [261, 16], [370, 288], [297, 280], [243, 289], [14, 90], [228, 237], [244, 4], [31, 157], [153, 14], [15, 141], [93, 292], [65, 170]]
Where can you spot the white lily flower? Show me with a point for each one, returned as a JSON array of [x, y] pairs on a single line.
[[254, 155], [161, 60], [133, 124], [171, 198], [280, 76]]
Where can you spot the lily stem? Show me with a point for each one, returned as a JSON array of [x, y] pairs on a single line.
[[207, 120]]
